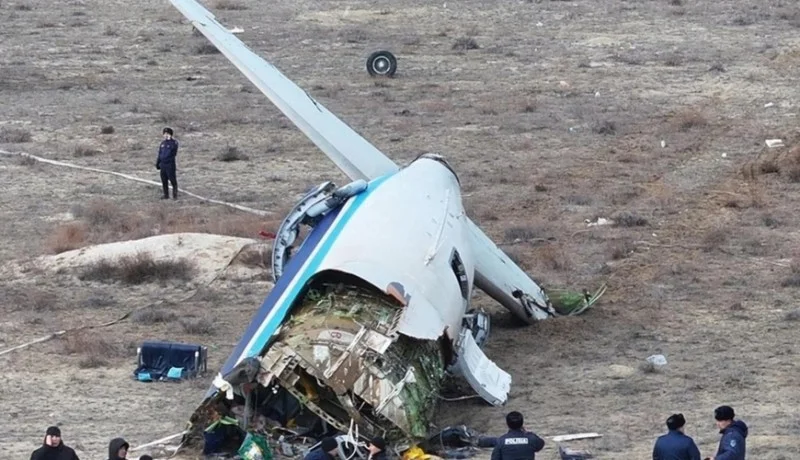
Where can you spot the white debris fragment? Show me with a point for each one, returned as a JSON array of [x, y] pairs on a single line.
[[724, 155], [236, 30], [657, 360], [539, 24], [599, 221], [663, 143], [772, 143], [768, 104], [575, 437]]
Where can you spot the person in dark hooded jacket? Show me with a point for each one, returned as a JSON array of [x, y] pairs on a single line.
[[732, 445], [675, 445], [53, 447], [118, 449]]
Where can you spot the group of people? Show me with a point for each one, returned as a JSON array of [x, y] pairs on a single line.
[[676, 445], [53, 448], [517, 444]]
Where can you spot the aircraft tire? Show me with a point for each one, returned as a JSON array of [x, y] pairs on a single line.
[[381, 64]]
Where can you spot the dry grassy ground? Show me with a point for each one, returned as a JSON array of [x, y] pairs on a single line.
[[552, 112]]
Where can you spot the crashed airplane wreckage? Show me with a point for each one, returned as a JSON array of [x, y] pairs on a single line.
[[372, 312]]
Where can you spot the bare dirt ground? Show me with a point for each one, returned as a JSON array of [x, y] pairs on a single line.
[[552, 112]]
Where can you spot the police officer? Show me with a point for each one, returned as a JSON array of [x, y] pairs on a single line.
[[732, 444], [675, 445], [517, 444], [165, 162]]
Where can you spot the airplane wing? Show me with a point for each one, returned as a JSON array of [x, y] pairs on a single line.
[[352, 153], [496, 274]]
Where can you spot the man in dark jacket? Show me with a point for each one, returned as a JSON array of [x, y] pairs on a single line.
[[675, 445], [118, 449], [517, 444], [732, 445], [53, 447], [327, 450], [167, 151]]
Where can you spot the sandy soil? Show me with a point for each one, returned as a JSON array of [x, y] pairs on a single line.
[[653, 113]]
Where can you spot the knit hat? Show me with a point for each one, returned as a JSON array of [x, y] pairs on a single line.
[[723, 413], [53, 431], [329, 444], [378, 442]]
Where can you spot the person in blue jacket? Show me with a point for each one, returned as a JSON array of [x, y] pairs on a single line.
[[675, 445], [167, 151], [517, 444], [732, 445]]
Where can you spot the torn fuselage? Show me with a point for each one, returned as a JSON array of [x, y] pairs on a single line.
[[366, 316]]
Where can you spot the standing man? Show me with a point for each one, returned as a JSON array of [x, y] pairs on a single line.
[[517, 444], [675, 445], [732, 444], [53, 447], [165, 162]]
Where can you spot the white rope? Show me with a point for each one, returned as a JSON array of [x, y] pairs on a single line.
[[257, 212], [158, 441]]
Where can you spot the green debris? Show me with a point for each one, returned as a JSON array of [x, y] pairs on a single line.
[[222, 421], [568, 302], [420, 397], [255, 447], [346, 302]]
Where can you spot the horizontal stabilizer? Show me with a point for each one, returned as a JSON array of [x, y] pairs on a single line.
[[503, 280]]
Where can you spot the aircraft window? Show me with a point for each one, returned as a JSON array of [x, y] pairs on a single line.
[[460, 272]]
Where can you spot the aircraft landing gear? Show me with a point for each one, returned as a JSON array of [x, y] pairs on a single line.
[[381, 64]]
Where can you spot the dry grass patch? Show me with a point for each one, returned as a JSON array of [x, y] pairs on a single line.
[[200, 326], [138, 269], [94, 350], [231, 153], [153, 315], [80, 151], [689, 119], [14, 135], [29, 298], [67, 237], [793, 280], [229, 5]]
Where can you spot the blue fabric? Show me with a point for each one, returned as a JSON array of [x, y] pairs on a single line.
[[175, 373], [144, 377]]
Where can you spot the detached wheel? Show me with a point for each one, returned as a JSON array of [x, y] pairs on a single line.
[[381, 64]]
